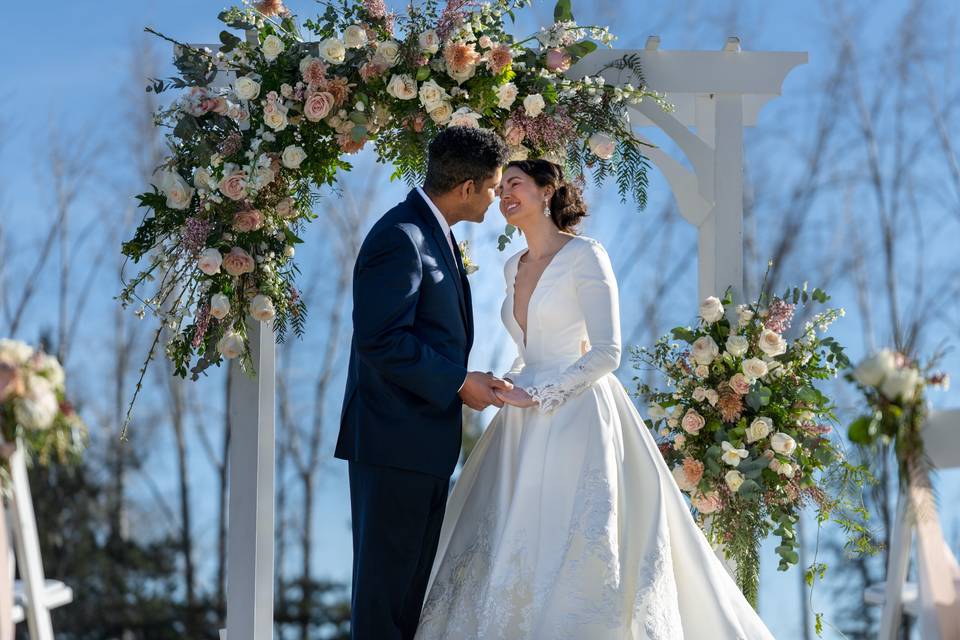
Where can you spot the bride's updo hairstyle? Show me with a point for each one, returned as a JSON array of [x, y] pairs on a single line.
[[567, 207]]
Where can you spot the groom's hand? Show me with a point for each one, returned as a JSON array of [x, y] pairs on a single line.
[[479, 389]]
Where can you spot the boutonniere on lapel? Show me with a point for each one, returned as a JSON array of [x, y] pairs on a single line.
[[468, 265]]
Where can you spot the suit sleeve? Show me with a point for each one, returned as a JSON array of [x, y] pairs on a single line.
[[386, 288]]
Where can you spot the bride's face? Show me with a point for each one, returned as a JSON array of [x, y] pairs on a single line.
[[521, 199]]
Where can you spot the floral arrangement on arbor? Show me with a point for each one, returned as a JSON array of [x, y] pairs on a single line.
[[34, 409], [744, 428], [895, 388], [229, 204]]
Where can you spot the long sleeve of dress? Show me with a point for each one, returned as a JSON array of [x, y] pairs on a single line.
[[599, 303]]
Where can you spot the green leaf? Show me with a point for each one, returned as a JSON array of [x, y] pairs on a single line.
[[682, 333], [859, 430], [229, 41], [358, 133], [423, 73], [562, 11], [758, 397], [581, 49]]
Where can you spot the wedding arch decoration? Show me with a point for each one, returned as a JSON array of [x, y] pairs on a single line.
[[745, 430], [228, 206]]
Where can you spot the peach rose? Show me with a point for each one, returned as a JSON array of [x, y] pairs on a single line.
[[247, 220], [234, 185], [285, 208], [513, 135], [317, 106], [740, 384], [706, 502], [238, 262], [11, 382], [692, 422], [498, 58], [314, 71]]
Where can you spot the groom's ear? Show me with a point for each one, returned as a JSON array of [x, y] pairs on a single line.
[[467, 189]]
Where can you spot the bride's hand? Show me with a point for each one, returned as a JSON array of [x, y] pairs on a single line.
[[516, 397]]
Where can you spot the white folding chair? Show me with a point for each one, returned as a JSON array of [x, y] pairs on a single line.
[[934, 600]]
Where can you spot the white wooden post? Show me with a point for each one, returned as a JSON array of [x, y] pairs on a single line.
[[27, 545], [250, 511], [250, 525]]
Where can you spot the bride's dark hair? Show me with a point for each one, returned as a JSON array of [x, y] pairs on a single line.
[[567, 207]]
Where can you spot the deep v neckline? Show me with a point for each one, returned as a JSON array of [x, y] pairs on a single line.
[[536, 285]]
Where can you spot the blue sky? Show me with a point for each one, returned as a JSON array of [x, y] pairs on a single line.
[[68, 63]]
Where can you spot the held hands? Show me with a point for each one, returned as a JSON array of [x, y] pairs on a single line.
[[480, 390], [517, 397]]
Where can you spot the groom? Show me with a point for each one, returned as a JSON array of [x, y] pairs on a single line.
[[400, 425]]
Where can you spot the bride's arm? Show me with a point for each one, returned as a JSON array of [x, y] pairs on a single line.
[[599, 303]]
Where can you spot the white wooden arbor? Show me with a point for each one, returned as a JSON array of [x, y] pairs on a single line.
[[717, 92]]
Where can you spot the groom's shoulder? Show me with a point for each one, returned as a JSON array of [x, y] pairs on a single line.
[[401, 219]]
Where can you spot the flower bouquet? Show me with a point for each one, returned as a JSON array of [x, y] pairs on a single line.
[[229, 204], [744, 427], [34, 410]]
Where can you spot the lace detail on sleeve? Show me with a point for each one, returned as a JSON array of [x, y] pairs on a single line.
[[599, 303]]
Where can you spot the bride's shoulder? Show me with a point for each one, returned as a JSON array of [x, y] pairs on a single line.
[[511, 264], [588, 247]]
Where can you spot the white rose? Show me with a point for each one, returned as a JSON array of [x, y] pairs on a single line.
[[442, 113], [354, 36], [737, 345], [272, 47], [533, 105], [782, 443], [464, 117], [602, 145], [701, 371], [655, 411], [772, 343], [179, 193], [246, 88], [506, 95], [733, 479], [219, 306], [431, 95], [209, 261], [50, 368], [699, 394], [388, 52], [293, 156], [333, 51], [202, 179], [874, 369], [681, 479], [429, 41], [785, 469], [705, 350], [39, 407], [276, 119], [261, 308], [230, 345], [744, 315], [15, 351], [731, 455], [712, 397], [711, 310], [754, 368], [900, 384], [760, 428], [402, 87]]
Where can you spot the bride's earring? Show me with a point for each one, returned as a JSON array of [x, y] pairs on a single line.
[[546, 208]]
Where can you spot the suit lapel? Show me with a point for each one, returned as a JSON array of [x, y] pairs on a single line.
[[467, 299], [453, 266]]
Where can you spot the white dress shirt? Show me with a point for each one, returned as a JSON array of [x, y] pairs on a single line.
[[443, 221]]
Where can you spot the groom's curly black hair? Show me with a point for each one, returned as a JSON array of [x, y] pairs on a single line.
[[459, 154]]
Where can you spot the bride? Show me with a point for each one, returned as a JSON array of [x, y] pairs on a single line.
[[565, 521]]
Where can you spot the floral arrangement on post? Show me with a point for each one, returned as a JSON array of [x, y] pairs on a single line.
[[34, 409], [745, 429], [895, 388], [229, 204]]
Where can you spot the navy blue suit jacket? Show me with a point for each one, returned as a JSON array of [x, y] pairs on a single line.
[[412, 333]]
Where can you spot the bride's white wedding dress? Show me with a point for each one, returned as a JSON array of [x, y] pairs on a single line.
[[565, 521]]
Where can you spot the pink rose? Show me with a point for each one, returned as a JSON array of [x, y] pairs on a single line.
[[234, 185], [692, 422], [247, 220], [317, 106], [285, 208], [513, 135], [706, 502], [238, 262], [558, 60], [740, 384]]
